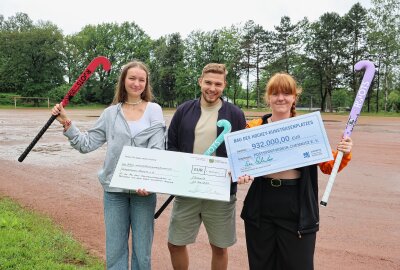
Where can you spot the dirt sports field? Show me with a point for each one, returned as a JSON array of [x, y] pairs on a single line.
[[360, 228]]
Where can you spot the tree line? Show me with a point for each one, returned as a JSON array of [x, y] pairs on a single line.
[[36, 59]]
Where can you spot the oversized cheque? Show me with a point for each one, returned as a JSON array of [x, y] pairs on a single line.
[[287, 144], [176, 173]]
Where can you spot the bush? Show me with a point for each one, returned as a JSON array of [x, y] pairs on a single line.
[[394, 101], [58, 93], [7, 98]]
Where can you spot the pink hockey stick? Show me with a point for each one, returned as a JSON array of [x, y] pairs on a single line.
[[100, 60], [354, 113]]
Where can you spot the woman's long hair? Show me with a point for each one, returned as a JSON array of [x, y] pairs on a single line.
[[120, 91]]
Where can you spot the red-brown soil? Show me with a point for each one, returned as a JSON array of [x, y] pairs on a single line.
[[360, 228]]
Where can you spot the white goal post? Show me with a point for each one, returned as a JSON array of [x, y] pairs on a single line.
[[32, 98]]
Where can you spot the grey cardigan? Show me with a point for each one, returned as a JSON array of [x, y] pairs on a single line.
[[111, 127]]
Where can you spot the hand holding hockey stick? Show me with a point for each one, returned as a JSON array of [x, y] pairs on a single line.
[[100, 60]]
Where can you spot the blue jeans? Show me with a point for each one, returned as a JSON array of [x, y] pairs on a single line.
[[122, 211]]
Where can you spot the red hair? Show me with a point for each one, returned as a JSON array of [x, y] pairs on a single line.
[[283, 83]]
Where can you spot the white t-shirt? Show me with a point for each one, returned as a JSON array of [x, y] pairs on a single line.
[[152, 115]]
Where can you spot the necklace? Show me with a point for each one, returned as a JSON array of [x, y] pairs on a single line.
[[134, 103]]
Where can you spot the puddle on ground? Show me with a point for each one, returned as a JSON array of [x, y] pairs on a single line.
[[49, 148]]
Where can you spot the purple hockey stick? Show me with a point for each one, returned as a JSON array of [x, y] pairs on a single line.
[[355, 112]]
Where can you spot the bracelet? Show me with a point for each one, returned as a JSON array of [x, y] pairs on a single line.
[[66, 124]]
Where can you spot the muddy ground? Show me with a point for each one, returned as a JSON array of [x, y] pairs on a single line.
[[360, 228]]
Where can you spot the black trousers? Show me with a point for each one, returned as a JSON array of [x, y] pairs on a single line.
[[275, 244]]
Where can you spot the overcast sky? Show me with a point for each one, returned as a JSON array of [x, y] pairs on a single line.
[[163, 17]]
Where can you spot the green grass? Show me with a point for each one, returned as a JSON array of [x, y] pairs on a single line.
[[87, 106], [243, 103], [384, 114], [30, 241], [70, 107]]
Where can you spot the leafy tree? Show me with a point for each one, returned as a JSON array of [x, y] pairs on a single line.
[[228, 49], [12, 65], [309, 75], [57, 94], [355, 23], [252, 46], [260, 47], [342, 98], [286, 44], [18, 23], [167, 62], [119, 43], [384, 42], [325, 46], [284, 52], [30, 56], [197, 53]]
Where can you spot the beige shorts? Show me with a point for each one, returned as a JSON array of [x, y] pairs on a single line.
[[218, 218]]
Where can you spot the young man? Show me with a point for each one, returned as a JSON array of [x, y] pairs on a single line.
[[193, 129]]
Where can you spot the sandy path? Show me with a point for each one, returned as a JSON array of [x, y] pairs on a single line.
[[359, 228]]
